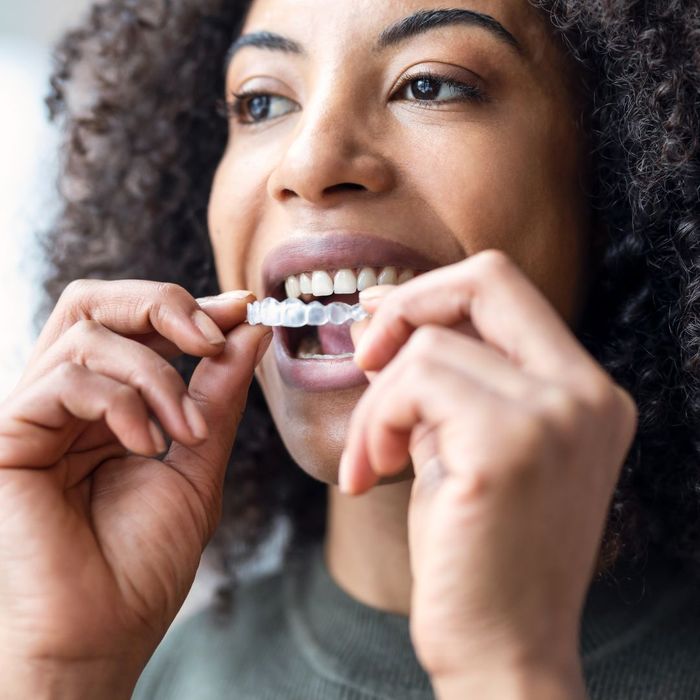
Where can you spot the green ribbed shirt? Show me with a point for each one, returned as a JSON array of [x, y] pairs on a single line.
[[296, 634]]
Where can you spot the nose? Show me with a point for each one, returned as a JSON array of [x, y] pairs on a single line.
[[331, 150]]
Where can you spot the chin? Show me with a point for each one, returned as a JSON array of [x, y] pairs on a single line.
[[313, 425]]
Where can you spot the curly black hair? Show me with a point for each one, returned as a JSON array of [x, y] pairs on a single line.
[[138, 89]]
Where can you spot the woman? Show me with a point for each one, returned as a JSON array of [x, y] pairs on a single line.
[[503, 486]]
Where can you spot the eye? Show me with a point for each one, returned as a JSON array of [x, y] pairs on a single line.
[[253, 107], [430, 88]]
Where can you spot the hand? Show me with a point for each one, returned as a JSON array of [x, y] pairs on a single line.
[[516, 437], [99, 540]]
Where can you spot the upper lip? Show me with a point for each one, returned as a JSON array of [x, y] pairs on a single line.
[[337, 250]]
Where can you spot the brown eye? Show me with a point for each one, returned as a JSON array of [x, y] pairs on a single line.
[[425, 88], [431, 88]]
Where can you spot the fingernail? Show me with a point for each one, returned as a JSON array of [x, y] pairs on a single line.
[[262, 348], [376, 292], [208, 328], [157, 437], [234, 294], [343, 476], [195, 419], [361, 348]]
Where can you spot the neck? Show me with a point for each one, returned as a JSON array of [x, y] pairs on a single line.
[[366, 545]]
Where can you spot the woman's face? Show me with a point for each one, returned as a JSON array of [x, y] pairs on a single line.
[[349, 152]]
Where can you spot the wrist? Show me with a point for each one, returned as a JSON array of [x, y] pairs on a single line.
[[74, 680], [533, 683]]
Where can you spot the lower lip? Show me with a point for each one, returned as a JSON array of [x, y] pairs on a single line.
[[315, 375]]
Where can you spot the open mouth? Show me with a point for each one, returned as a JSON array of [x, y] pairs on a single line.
[[329, 342], [327, 267]]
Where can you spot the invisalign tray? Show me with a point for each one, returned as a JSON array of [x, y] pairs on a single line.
[[294, 313]]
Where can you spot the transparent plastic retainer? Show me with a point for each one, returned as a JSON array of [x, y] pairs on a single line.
[[294, 313]]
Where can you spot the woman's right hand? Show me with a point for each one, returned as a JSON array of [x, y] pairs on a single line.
[[99, 539]]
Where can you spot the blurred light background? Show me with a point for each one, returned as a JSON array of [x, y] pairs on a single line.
[[27, 167], [28, 176]]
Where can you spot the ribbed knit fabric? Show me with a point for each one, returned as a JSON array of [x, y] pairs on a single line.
[[296, 634]]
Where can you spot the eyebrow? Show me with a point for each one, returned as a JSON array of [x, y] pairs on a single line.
[[263, 40], [413, 25], [424, 20]]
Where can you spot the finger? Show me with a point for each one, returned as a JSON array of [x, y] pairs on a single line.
[[90, 344], [39, 423], [219, 387], [357, 330], [428, 395], [431, 346], [490, 291], [136, 307], [227, 310], [465, 355]]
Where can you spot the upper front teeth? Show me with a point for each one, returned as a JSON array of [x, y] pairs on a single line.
[[322, 283]]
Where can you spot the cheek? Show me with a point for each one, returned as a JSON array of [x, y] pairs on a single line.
[[515, 190], [235, 204]]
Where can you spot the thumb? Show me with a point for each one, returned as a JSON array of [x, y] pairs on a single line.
[[219, 387]]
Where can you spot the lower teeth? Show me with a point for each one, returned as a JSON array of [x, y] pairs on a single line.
[[310, 349]]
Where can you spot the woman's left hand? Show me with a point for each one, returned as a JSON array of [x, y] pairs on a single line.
[[516, 436]]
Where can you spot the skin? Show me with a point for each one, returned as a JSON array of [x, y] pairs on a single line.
[[511, 418], [510, 179]]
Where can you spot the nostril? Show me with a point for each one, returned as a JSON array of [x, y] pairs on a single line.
[[345, 186]]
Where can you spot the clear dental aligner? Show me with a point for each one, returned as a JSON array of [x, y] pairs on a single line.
[[294, 313]]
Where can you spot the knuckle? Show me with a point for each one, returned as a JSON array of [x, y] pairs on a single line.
[[600, 393], [72, 300], [149, 368], [77, 289], [628, 401], [86, 327], [168, 296], [81, 339], [559, 406], [170, 292], [477, 483], [424, 341], [626, 407], [68, 372], [492, 261], [167, 372], [124, 396], [198, 396]]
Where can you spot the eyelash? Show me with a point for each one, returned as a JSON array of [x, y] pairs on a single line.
[[467, 90], [236, 107]]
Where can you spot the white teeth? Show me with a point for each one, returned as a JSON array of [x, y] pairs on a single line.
[[291, 286], [305, 283], [310, 349], [321, 284], [387, 276], [366, 278], [344, 282]]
